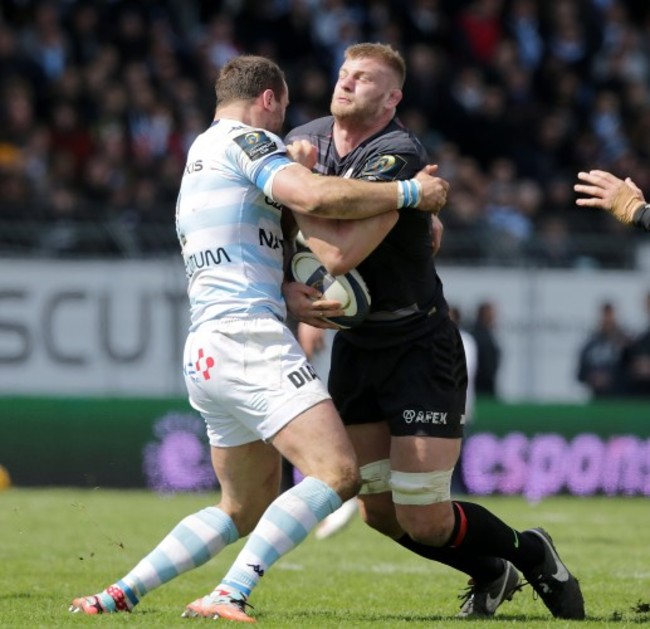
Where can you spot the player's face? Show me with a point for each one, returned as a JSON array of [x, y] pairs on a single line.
[[365, 89]]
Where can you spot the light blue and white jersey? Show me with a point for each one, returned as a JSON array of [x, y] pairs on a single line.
[[229, 226]]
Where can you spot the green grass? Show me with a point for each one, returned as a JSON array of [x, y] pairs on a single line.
[[57, 544]]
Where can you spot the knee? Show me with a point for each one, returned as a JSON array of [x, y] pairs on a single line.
[[348, 482], [379, 514], [427, 527], [343, 478], [423, 505]]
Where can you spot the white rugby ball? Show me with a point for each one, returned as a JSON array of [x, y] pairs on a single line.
[[349, 289]]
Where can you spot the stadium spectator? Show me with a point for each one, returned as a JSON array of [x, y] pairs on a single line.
[[600, 358], [488, 349], [636, 360], [480, 29], [524, 24]]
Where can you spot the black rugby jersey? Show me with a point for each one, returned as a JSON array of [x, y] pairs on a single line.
[[406, 293]]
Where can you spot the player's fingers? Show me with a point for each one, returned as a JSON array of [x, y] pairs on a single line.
[[603, 175], [593, 191], [596, 178], [589, 202], [588, 177], [321, 305], [593, 202], [327, 314], [319, 322]]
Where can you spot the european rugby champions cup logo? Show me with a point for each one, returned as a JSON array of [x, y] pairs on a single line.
[[384, 167], [256, 144], [252, 138]]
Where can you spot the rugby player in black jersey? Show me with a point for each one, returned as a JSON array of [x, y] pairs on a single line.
[[399, 379]]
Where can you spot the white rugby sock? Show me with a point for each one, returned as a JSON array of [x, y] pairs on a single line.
[[195, 539], [283, 526]]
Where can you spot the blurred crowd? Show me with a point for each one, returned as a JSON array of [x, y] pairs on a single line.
[[100, 101]]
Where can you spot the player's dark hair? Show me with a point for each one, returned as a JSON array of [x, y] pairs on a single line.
[[246, 77], [381, 52]]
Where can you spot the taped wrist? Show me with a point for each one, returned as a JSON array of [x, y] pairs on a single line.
[[625, 203], [409, 193]]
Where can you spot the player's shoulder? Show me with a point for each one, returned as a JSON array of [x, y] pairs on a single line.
[[396, 138], [394, 153], [255, 142], [318, 127]]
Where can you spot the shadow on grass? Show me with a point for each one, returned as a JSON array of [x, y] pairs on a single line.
[[384, 619], [636, 616]]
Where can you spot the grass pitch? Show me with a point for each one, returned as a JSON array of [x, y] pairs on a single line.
[[56, 544]]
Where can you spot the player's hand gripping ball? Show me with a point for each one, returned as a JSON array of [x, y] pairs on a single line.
[[349, 289]]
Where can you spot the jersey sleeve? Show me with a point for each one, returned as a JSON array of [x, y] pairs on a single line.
[[260, 155]]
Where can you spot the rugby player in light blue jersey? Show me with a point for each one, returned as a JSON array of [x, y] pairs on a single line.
[[244, 370]]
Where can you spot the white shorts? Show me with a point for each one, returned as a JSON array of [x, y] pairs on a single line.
[[248, 378]]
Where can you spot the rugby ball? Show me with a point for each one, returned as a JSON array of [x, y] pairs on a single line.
[[349, 289]]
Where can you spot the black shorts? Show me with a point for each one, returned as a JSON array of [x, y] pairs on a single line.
[[418, 387]]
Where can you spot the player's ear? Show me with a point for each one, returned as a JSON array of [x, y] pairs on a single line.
[[268, 98], [395, 97]]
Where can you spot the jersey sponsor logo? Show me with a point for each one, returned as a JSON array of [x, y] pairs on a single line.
[[269, 239], [194, 167], [302, 376], [385, 167], [256, 144], [272, 203], [200, 368], [412, 416], [205, 258], [204, 364]]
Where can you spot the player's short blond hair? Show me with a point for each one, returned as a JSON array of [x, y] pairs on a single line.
[[381, 52]]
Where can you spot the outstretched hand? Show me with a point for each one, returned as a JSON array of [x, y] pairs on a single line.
[[619, 197], [434, 189]]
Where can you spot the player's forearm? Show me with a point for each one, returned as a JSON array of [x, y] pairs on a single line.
[[348, 199], [343, 245], [336, 197]]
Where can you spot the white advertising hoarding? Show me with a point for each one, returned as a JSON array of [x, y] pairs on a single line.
[[117, 328], [92, 328]]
